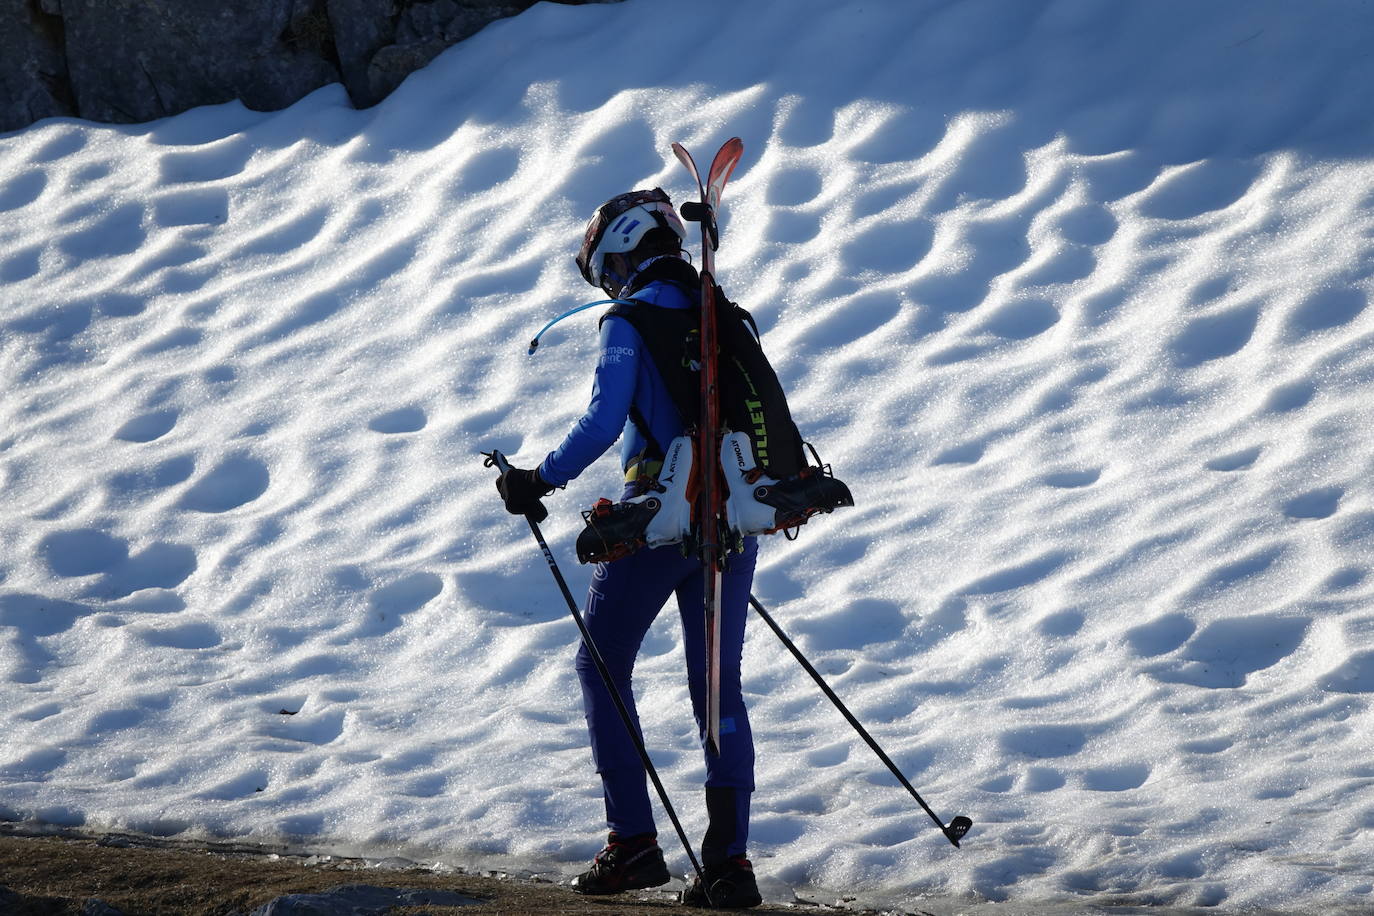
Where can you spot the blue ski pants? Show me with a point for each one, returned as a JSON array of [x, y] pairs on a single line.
[[625, 597]]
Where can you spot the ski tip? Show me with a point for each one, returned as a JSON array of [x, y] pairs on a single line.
[[957, 828], [685, 158]]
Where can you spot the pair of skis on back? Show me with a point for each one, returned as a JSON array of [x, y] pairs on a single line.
[[710, 521]]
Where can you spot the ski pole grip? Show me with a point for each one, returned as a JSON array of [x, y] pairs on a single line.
[[497, 460]]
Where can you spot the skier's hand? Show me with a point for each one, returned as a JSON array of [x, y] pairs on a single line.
[[522, 491]]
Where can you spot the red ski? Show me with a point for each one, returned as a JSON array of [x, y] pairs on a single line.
[[710, 509]]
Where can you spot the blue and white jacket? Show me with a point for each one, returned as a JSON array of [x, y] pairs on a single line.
[[625, 376]]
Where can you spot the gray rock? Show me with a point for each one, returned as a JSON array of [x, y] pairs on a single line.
[[136, 60], [361, 28], [422, 30], [33, 74], [359, 900]]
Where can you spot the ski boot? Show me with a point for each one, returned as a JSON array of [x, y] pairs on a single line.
[[729, 885], [660, 516], [759, 504], [625, 864]]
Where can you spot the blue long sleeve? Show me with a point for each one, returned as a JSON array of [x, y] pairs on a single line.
[[613, 390], [625, 376]]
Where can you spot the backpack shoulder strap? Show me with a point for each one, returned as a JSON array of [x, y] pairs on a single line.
[[668, 336]]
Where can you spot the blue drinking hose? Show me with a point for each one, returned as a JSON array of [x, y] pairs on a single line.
[[534, 344]]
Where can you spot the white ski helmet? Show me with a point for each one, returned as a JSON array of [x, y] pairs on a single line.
[[620, 224]]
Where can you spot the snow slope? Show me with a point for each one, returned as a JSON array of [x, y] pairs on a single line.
[[1073, 293]]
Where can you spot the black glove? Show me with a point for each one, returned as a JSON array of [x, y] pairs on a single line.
[[521, 491]]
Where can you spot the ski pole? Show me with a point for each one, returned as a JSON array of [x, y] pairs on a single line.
[[957, 827], [497, 460]]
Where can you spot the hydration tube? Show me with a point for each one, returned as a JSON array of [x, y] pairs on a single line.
[[534, 344]]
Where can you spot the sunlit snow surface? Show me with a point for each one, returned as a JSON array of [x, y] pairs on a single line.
[[1073, 293]]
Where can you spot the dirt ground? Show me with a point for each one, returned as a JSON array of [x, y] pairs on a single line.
[[141, 877]]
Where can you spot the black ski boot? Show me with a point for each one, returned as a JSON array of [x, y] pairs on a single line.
[[729, 880], [730, 885], [626, 864]]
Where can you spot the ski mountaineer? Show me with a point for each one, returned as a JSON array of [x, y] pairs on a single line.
[[633, 250]]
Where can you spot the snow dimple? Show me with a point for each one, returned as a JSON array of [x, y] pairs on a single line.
[[1343, 579], [206, 206], [1225, 653], [1292, 396], [1073, 479], [36, 615], [207, 162], [191, 635], [1235, 574], [794, 187], [1022, 320], [22, 190], [1235, 461], [1214, 336], [890, 248], [82, 552], [240, 785], [489, 168], [1208, 745], [160, 565], [1203, 187], [1326, 309], [400, 420], [1356, 532], [1162, 635], [1044, 741], [20, 264], [235, 481], [283, 235], [147, 426], [1118, 778], [1043, 779], [117, 232], [864, 314], [967, 453], [1061, 624], [1019, 575], [140, 482], [60, 144], [31, 764], [1319, 503], [391, 603], [1089, 224]]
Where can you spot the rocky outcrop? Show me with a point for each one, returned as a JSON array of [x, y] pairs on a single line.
[[134, 60], [32, 69]]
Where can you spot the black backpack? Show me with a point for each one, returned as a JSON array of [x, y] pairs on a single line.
[[751, 397]]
